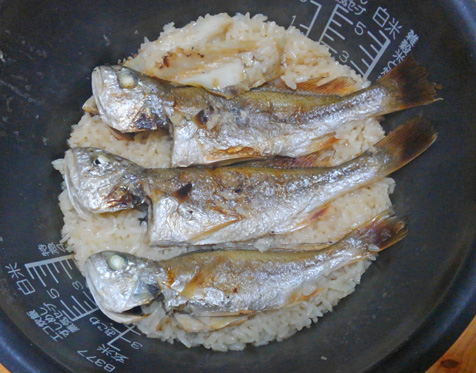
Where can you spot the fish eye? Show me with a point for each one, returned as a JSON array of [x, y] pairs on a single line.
[[127, 79], [100, 160], [116, 262]]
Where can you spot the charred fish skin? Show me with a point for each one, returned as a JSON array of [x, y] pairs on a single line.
[[145, 103], [208, 128], [206, 206], [231, 282]]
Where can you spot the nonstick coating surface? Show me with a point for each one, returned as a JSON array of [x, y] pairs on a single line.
[[413, 301]]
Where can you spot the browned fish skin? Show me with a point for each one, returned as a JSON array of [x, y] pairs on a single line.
[[207, 128], [205, 206], [231, 282]]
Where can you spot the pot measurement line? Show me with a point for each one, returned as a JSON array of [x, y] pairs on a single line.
[[379, 50], [364, 54], [121, 336], [79, 313], [32, 268], [48, 272], [330, 31], [308, 27]]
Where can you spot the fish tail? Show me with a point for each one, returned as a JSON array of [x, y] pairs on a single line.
[[381, 232], [404, 144], [408, 86]]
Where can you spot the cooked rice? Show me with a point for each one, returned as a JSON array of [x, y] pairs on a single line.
[[122, 231]]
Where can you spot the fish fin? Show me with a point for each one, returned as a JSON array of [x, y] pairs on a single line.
[[121, 136], [197, 324], [313, 217], [306, 220], [340, 86], [405, 143], [276, 84], [314, 159], [298, 297], [408, 85], [319, 145], [381, 232], [204, 234], [90, 106]]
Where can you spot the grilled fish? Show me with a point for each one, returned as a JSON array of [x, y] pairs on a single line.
[[207, 206], [213, 289], [207, 128]]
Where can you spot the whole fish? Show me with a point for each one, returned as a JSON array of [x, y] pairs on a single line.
[[228, 284], [207, 128], [206, 206]]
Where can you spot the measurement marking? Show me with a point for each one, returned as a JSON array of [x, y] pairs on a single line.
[[89, 306], [56, 268], [121, 336], [85, 314], [381, 51], [79, 314], [79, 304], [54, 277], [365, 51], [316, 13], [32, 268], [329, 32], [337, 33], [69, 310], [357, 68], [373, 47], [48, 261], [42, 270], [376, 40], [337, 23], [89, 298], [344, 17], [37, 275], [62, 264], [330, 48]]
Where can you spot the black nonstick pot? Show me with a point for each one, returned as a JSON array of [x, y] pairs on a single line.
[[413, 301]]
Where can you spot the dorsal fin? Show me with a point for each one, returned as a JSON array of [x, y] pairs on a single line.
[[340, 86]]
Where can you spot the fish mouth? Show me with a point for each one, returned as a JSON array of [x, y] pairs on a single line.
[[124, 317]]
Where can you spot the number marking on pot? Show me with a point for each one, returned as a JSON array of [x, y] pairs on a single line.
[[371, 47], [48, 272]]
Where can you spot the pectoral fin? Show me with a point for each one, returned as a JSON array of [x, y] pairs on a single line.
[[340, 86], [207, 233], [197, 324]]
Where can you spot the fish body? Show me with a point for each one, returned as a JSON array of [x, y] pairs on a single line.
[[205, 206], [207, 128], [230, 283]]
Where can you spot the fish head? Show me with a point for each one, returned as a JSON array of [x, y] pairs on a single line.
[[98, 181], [129, 101], [120, 282]]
